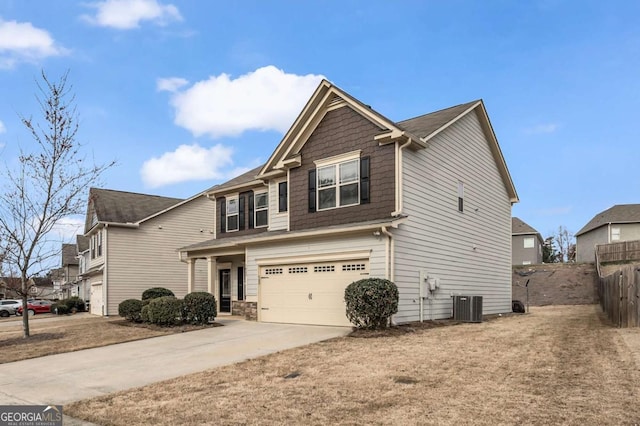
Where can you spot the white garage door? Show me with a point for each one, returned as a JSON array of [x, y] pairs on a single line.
[[96, 299], [310, 293]]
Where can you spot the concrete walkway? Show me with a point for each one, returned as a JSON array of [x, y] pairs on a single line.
[[63, 378]]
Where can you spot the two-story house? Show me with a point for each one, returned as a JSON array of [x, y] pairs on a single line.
[[132, 244], [526, 243], [350, 194], [618, 223]]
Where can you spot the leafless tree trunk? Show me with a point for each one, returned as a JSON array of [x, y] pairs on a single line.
[[564, 240], [48, 185]]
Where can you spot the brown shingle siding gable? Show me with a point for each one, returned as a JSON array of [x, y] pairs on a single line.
[[343, 130]]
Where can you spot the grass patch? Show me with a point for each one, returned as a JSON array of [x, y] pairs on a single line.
[[557, 365], [53, 335]]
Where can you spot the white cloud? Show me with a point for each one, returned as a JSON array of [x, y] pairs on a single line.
[[542, 128], [22, 42], [128, 14], [67, 228], [171, 84], [265, 99], [2, 128], [186, 163]]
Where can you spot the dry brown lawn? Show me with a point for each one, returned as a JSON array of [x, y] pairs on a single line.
[[557, 365], [51, 335]]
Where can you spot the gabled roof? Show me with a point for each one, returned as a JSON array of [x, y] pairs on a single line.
[[112, 206], [620, 213], [238, 182], [416, 131], [424, 125], [519, 227], [69, 253], [82, 242]]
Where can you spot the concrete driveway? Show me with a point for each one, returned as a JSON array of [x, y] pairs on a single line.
[[63, 378]]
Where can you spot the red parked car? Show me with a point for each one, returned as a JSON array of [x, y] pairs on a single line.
[[37, 307]]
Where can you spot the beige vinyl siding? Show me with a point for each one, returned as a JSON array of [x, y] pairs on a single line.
[[316, 246], [98, 260], [440, 239], [277, 220], [147, 256], [586, 243]]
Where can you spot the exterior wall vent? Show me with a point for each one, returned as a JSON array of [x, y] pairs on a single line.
[[467, 308], [335, 100]]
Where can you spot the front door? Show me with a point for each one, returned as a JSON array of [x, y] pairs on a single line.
[[225, 290]]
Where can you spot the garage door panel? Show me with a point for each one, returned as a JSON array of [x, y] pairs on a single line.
[[311, 293]]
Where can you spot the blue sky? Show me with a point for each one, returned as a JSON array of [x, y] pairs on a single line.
[[187, 94]]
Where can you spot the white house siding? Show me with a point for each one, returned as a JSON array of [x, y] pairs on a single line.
[[147, 256], [316, 246], [277, 220], [586, 243], [469, 252]]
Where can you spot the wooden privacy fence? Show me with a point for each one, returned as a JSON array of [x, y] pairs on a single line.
[[618, 252], [620, 296]]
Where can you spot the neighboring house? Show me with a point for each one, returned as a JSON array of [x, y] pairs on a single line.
[[41, 287], [618, 223], [69, 270], [83, 284], [526, 243], [57, 282], [132, 244], [349, 194]]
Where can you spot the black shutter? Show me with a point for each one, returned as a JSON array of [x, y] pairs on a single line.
[[250, 195], [223, 215], [282, 196], [241, 212], [240, 283], [312, 191], [364, 180]]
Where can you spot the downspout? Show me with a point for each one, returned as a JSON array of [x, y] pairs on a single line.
[[106, 272], [390, 251], [399, 191]]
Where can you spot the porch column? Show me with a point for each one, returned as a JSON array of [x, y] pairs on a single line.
[[212, 279], [191, 274]]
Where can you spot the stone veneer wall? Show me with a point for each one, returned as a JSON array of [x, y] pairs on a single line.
[[249, 310]]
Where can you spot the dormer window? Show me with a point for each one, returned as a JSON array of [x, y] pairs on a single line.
[[232, 214]]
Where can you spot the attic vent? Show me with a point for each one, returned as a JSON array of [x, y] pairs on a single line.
[[336, 100]]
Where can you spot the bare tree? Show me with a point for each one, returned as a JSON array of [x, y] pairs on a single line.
[[564, 240], [46, 186]]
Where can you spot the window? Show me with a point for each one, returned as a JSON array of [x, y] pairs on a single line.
[[282, 197], [460, 196], [339, 185], [99, 243], [261, 209], [92, 243], [615, 234], [529, 242], [232, 214]]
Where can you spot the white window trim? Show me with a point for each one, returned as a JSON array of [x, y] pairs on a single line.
[[531, 239], [256, 209], [353, 155], [345, 158], [236, 214]]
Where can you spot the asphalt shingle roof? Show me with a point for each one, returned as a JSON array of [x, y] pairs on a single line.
[[82, 242], [69, 253], [426, 124], [239, 180], [518, 226], [620, 213], [126, 207]]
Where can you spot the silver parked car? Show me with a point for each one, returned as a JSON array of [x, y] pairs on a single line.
[[9, 307]]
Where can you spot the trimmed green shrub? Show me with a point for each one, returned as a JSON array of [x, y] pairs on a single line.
[[59, 308], [154, 293], [371, 302], [130, 309], [144, 313], [199, 307], [75, 303], [165, 310]]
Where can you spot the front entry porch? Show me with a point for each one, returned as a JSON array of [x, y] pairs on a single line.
[[226, 280]]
